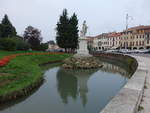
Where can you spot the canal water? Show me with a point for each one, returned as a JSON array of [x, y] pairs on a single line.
[[70, 91]]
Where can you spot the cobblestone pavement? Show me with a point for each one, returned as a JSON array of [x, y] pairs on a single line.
[[145, 104]]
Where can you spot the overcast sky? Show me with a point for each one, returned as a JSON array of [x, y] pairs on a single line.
[[101, 15]]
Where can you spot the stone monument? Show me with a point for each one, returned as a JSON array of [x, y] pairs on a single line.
[[83, 47], [82, 60]]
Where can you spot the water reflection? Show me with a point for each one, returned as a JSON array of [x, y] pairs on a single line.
[[65, 90], [73, 83], [72, 91], [112, 68]]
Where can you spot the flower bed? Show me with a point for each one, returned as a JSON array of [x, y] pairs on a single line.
[[4, 61]]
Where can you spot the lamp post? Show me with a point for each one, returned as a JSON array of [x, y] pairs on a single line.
[[126, 32]]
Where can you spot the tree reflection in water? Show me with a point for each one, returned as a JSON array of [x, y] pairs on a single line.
[[73, 83], [65, 90]]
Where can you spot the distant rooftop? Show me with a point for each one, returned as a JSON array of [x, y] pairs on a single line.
[[141, 27]]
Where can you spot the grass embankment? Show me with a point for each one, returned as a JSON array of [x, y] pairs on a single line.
[[22, 72]]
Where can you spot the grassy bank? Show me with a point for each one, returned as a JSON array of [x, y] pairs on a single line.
[[23, 71]]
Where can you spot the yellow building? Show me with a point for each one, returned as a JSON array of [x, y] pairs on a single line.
[[134, 38]]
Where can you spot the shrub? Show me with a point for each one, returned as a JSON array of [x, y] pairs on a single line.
[[43, 46], [21, 45], [8, 44], [13, 43]]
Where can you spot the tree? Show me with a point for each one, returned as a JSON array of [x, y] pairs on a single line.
[[33, 37], [51, 42], [67, 31], [62, 34], [74, 32], [6, 28], [0, 30], [8, 44], [43, 47]]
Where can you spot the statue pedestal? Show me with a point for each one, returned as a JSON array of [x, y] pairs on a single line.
[[83, 50]]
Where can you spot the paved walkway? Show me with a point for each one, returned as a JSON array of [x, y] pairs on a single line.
[[145, 104], [143, 55]]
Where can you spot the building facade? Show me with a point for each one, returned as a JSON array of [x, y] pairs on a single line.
[[133, 38]]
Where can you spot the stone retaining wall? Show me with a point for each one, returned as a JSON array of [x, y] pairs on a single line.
[[129, 97]]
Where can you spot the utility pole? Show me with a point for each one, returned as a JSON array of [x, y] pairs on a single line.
[[126, 33], [127, 17]]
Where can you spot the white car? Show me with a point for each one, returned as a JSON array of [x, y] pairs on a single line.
[[111, 51], [124, 51]]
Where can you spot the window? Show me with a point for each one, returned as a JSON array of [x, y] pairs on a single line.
[[132, 37], [143, 43], [136, 43], [130, 43], [140, 43], [127, 44], [133, 43], [148, 41]]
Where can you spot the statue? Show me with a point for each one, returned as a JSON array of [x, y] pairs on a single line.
[[84, 30], [82, 60]]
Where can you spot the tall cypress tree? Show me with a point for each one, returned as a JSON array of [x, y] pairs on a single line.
[[62, 28], [7, 29], [67, 31], [74, 31]]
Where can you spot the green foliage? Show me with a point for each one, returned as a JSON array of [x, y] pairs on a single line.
[[62, 30], [6, 28], [67, 31], [14, 43], [21, 45], [0, 30], [33, 37], [8, 44], [140, 108], [43, 46], [51, 42], [74, 31]]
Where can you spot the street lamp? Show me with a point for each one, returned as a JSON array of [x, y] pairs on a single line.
[[126, 32]]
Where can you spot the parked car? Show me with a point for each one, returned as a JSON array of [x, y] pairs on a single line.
[[124, 51], [111, 51]]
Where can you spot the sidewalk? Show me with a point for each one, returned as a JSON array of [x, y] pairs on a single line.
[[145, 103]]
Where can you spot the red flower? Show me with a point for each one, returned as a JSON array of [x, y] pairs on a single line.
[[7, 59], [2, 63]]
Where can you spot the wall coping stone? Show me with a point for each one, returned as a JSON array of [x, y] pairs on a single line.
[[129, 97]]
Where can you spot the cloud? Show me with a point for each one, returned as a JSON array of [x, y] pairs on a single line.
[[101, 16]]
